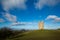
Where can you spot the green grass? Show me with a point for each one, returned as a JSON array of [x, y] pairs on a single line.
[[38, 35]]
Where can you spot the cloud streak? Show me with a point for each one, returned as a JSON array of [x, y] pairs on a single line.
[[10, 17], [41, 3], [22, 23], [2, 20], [17, 24]]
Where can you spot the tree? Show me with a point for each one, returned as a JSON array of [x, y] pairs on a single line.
[[5, 33]]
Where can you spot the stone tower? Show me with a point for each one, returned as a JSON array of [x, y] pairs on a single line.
[[41, 25]]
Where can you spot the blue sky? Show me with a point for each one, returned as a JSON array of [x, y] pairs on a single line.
[[26, 14]]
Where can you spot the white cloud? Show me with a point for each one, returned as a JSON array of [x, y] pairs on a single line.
[[51, 17], [10, 17], [7, 4], [41, 3], [2, 20], [22, 23], [54, 17], [57, 19], [17, 24]]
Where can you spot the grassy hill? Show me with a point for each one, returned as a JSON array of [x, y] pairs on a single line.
[[38, 35]]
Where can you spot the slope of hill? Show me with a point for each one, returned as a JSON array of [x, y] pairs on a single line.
[[38, 35]]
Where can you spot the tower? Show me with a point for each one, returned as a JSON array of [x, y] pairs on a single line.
[[41, 25]]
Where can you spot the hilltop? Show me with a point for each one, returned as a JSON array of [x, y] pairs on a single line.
[[38, 35]]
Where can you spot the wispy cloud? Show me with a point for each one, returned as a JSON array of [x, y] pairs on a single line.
[[7, 4], [22, 23], [54, 17], [13, 19], [51, 17], [17, 24], [10, 17], [2, 20], [41, 3]]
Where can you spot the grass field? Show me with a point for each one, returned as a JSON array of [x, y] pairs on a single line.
[[38, 35]]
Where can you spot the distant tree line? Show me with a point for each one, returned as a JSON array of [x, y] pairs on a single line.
[[58, 28]]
